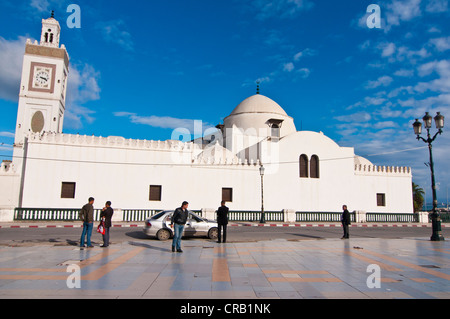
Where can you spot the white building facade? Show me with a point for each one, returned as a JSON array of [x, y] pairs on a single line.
[[304, 171]]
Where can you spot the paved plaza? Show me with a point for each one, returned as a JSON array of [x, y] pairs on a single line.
[[331, 268]]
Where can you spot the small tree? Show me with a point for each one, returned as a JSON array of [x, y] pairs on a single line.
[[418, 199]]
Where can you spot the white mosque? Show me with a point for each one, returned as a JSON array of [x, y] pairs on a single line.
[[303, 171]]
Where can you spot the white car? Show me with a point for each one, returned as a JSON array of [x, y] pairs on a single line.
[[159, 226]]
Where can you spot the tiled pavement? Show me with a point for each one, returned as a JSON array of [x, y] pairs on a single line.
[[410, 268]]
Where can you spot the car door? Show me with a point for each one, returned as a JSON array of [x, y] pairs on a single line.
[[194, 226]]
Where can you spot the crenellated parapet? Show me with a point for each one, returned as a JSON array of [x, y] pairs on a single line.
[[361, 169], [108, 142], [189, 153]]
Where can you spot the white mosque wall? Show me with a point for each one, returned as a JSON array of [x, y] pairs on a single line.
[[122, 170]]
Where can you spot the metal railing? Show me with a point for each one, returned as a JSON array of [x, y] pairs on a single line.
[[321, 217], [255, 216], [391, 218], [138, 215], [72, 214], [50, 214], [445, 217]]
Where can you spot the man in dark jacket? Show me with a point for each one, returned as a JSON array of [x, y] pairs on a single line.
[[179, 218], [106, 215], [345, 221], [222, 221], [87, 216]]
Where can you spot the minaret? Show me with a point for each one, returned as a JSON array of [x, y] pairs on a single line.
[[50, 32], [43, 86]]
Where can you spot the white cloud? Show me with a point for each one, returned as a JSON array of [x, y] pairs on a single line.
[[166, 122], [381, 81], [114, 31], [404, 73], [40, 5], [304, 53], [388, 49], [402, 10], [11, 58], [355, 117], [395, 53], [385, 124], [82, 88], [304, 72], [279, 8], [436, 6], [7, 134], [440, 84], [441, 44], [288, 67]]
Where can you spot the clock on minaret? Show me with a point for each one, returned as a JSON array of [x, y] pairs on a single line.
[[44, 84]]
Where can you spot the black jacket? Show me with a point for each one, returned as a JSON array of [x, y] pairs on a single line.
[[222, 215], [180, 216], [345, 217], [87, 213], [107, 213]]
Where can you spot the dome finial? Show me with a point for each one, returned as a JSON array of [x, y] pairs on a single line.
[[257, 86], [53, 14]]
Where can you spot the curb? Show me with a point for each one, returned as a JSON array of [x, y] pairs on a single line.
[[335, 225], [133, 225]]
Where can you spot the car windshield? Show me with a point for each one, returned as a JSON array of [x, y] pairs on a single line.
[[169, 215], [158, 216], [195, 217]]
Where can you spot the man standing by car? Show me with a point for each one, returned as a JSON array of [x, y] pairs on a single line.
[[179, 218], [222, 221]]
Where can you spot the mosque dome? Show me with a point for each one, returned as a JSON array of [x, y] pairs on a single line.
[[260, 115], [259, 104]]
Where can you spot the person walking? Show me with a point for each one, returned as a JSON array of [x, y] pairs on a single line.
[[178, 221], [106, 215], [87, 216], [222, 221], [345, 219]]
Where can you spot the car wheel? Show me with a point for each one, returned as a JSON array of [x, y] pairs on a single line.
[[213, 233], [163, 234]]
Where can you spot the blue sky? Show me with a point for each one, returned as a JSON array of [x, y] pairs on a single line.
[[140, 69]]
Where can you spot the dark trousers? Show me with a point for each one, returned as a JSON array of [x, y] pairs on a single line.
[[106, 237], [346, 232], [219, 238]]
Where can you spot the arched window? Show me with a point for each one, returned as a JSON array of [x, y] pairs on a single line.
[[314, 167], [303, 166]]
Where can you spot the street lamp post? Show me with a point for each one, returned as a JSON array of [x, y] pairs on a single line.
[[439, 121], [263, 214]]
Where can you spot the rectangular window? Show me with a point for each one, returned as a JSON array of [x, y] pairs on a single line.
[[68, 190], [155, 193], [381, 200], [227, 194]]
